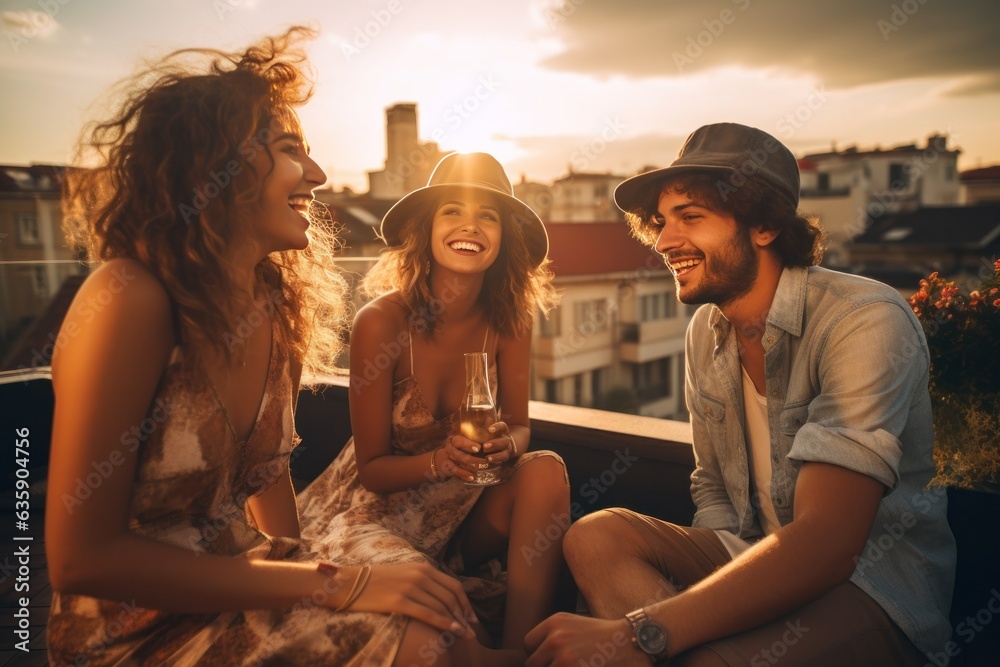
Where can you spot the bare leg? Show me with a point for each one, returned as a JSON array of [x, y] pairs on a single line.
[[529, 515], [424, 646], [603, 543]]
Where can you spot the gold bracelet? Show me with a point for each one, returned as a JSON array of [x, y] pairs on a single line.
[[513, 444], [434, 470], [357, 588]]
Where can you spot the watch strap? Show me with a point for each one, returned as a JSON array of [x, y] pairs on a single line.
[[636, 619]]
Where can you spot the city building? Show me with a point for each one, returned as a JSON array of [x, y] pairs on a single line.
[[34, 257], [981, 186], [960, 242], [408, 162], [850, 189], [616, 340]]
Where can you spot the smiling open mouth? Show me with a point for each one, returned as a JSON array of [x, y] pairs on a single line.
[[684, 266], [300, 204], [466, 245]]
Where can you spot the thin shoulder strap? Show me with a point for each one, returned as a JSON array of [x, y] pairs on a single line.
[[409, 343], [486, 338]]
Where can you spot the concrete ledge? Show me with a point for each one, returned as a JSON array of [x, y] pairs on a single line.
[[613, 459]]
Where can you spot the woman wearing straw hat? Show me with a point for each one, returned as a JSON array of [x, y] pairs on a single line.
[[464, 271]]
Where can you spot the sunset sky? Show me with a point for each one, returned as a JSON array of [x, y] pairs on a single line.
[[597, 85]]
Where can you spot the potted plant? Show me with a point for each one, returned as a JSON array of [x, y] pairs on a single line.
[[963, 334]]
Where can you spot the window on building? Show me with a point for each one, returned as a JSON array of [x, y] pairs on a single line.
[[949, 172], [823, 182], [578, 389], [601, 191], [590, 316], [27, 229], [653, 380], [39, 281], [552, 391], [657, 306], [596, 391], [899, 176], [669, 305], [551, 326]]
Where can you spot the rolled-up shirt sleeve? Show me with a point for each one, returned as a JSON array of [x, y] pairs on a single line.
[[870, 369]]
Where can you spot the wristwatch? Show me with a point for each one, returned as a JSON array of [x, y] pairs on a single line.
[[650, 637]]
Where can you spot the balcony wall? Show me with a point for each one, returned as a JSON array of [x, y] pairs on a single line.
[[613, 459]]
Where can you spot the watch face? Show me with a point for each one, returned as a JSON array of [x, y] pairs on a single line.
[[651, 638]]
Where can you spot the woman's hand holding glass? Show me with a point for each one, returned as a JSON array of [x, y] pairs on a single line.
[[465, 456]]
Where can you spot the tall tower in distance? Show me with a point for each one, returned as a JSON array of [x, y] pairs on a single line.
[[408, 162], [401, 139]]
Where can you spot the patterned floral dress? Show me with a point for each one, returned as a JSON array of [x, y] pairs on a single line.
[[191, 487], [421, 523]]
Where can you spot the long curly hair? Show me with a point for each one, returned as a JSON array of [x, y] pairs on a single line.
[[513, 289], [801, 241], [159, 181]]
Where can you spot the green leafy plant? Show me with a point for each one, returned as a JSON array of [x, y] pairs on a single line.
[[963, 334]]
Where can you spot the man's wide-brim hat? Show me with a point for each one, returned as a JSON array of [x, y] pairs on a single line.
[[463, 171], [730, 150]]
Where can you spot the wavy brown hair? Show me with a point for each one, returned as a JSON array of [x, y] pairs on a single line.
[[160, 179], [801, 240], [513, 288]]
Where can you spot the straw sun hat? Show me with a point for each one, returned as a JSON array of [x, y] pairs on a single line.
[[459, 171]]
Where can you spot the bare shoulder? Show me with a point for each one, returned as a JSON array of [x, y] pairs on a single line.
[[381, 319], [519, 342], [120, 305], [123, 284]]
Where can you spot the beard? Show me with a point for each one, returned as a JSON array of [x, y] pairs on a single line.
[[727, 274]]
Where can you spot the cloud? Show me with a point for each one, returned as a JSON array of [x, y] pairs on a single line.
[[844, 43], [972, 86], [30, 23], [548, 157], [554, 156]]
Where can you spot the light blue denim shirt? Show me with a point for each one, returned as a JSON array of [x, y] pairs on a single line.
[[846, 366]]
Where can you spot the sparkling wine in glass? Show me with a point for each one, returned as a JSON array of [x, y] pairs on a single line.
[[477, 413]]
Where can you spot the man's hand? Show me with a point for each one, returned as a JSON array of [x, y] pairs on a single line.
[[570, 640]]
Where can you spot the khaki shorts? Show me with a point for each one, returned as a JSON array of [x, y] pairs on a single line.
[[843, 628]]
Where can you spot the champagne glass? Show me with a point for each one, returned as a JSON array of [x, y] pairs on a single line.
[[477, 413]]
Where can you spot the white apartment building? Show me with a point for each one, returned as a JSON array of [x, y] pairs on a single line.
[[851, 189]]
